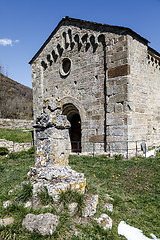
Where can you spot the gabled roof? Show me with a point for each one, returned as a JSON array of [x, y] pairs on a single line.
[[151, 50], [88, 24]]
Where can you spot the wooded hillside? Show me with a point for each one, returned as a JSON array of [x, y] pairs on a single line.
[[15, 99]]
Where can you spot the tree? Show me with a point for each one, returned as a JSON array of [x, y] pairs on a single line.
[[3, 70]]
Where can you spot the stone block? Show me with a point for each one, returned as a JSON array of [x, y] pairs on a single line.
[[108, 197], [90, 206], [116, 89], [7, 203], [109, 90], [110, 107], [44, 223], [96, 117], [115, 121], [119, 55], [121, 38], [72, 208], [104, 221], [129, 106], [6, 221], [109, 207], [56, 179], [117, 131], [119, 107], [28, 204], [119, 71], [96, 138]]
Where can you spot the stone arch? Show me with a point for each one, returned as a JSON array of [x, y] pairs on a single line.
[[75, 113], [77, 104], [74, 118]]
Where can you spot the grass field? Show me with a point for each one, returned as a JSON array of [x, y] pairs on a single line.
[[134, 184], [16, 135]]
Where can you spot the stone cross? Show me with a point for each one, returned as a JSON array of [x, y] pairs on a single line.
[[53, 146], [52, 136]]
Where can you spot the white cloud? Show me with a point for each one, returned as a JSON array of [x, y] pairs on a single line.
[[16, 41], [7, 42]]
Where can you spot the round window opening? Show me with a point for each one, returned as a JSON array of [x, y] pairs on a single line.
[[65, 67]]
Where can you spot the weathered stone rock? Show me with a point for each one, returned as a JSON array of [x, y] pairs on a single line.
[[14, 146], [10, 191], [7, 203], [56, 179], [90, 206], [45, 224], [72, 208], [6, 221], [51, 168], [52, 136], [28, 204], [108, 197], [109, 207], [105, 221]]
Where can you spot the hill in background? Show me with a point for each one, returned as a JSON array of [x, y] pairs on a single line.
[[16, 100]]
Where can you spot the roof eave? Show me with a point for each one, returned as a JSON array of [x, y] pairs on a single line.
[[45, 43], [127, 30], [154, 52]]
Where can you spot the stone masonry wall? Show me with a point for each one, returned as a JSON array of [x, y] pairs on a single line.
[[79, 86], [16, 123], [96, 83], [143, 96], [109, 78], [137, 92], [14, 146], [118, 70], [153, 71]]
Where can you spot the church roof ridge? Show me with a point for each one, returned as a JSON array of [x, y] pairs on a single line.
[[124, 30]]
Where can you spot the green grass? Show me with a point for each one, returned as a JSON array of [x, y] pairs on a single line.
[[134, 184], [16, 135], [44, 197], [72, 196], [13, 171]]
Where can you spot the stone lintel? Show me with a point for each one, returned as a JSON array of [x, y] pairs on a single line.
[[96, 138], [119, 71]]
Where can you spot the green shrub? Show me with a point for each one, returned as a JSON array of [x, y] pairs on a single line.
[[15, 155], [118, 157], [44, 197], [26, 192], [72, 196], [31, 150], [3, 151], [1, 167]]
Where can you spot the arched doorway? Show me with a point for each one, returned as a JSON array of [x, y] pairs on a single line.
[[73, 117]]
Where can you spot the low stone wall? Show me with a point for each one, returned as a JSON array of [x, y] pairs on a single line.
[[14, 146], [16, 123]]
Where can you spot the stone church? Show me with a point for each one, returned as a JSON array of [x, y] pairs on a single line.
[[107, 80]]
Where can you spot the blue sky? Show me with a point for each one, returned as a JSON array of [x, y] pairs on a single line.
[[26, 24]]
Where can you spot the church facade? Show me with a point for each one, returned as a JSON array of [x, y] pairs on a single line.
[[107, 80]]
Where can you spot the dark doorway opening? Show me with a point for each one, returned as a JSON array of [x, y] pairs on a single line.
[[73, 116], [75, 133]]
